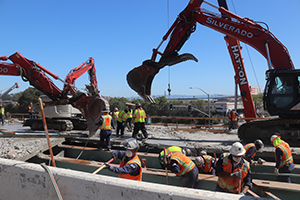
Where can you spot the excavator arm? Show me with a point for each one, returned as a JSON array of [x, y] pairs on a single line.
[[234, 26], [9, 90], [90, 104]]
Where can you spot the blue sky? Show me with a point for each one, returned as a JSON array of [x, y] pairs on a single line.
[[120, 35]]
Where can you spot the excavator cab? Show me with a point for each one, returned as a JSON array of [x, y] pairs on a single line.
[[282, 93]]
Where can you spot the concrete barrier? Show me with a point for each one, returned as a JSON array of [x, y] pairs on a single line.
[[27, 181]]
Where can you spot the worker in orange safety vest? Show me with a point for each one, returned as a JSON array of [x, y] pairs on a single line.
[[30, 111], [206, 164], [233, 117], [130, 165], [251, 149], [106, 123], [233, 171], [184, 167], [169, 150], [283, 157]]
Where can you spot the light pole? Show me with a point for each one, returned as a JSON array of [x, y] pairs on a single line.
[[208, 101]]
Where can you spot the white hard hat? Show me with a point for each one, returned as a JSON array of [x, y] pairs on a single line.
[[237, 149], [130, 144], [273, 137], [199, 161]]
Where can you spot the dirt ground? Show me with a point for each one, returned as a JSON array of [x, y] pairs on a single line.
[[160, 136]]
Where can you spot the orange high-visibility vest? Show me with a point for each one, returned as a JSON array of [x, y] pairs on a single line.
[[247, 147], [233, 117], [207, 167], [106, 125], [230, 183], [136, 160], [185, 163], [287, 157]]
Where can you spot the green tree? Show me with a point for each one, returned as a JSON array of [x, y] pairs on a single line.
[[117, 102], [30, 95]]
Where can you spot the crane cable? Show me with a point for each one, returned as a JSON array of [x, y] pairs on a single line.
[[247, 51], [169, 73]]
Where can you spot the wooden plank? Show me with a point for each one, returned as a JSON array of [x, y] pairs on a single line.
[[276, 185], [110, 151], [266, 192], [252, 193]]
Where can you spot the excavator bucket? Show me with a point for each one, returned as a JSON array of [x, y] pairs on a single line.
[[140, 78], [91, 107]]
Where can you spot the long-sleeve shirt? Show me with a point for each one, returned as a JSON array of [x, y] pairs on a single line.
[[173, 167], [219, 168], [249, 154], [132, 169]]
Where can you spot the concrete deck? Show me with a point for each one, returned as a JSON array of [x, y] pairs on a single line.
[[28, 181]]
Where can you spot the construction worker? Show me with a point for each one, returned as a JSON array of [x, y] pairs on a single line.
[[206, 164], [251, 150], [2, 114], [233, 171], [139, 116], [233, 117], [121, 122], [130, 165], [115, 114], [169, 150], [106, 123], [283, 157], [129, 117], [184, 167], [30, 111]]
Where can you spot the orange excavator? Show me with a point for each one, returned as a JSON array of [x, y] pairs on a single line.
[[285, 106], [90, 104]]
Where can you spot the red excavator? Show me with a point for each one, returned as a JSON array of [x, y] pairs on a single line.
[[281, 73], [90, 104]]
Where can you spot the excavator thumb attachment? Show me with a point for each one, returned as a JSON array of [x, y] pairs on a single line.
[[91, 107], [140, 78]]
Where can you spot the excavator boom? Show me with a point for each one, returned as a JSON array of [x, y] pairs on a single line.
[[236, 29], [90, 104]]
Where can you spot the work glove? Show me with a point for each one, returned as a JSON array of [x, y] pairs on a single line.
[[123, 124], [237, 174], [261, 161], [254, 163], [114, 155], [276, 171], [107, 166]]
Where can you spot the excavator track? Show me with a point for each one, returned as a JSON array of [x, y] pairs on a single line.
[[57, 124], [289, 130]]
